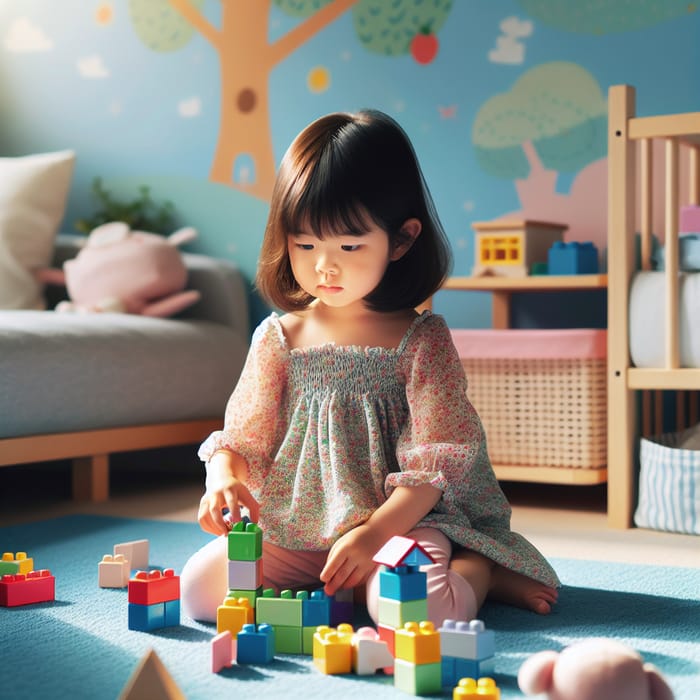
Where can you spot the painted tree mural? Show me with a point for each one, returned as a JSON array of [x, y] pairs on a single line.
[[246, 58]]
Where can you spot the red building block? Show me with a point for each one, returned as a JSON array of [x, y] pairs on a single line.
[[150, 587], [25, 589]]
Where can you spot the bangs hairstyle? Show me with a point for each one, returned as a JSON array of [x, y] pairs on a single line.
[[343, 174]]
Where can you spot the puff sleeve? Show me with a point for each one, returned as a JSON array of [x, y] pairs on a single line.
[[443, 442], [254, 412]]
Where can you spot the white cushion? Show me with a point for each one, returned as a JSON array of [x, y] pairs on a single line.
[[33, 194]]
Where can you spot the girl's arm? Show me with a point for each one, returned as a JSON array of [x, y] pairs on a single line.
[[227, 474], [350, 562]]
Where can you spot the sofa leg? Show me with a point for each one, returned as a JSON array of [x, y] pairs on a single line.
[[91, 478]]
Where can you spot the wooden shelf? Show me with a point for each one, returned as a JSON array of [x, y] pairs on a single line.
[[551, 475], [533, 283], [503, 287]]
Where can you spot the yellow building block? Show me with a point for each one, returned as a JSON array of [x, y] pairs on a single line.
[[232, 614], [332, 649], [18, 563], [483, 689], [418, 643]]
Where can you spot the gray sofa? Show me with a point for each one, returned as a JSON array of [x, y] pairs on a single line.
[[82, 386]]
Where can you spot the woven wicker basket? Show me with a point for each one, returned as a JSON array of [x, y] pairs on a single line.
[[539, 411]]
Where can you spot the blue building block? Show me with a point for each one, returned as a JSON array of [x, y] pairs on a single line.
[[255, 646], [145, 618], [454, 668], [400, 583], [316, 610], [572, 258], [172, 613]]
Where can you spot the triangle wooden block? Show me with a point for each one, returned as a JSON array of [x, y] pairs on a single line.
[[151, 681]]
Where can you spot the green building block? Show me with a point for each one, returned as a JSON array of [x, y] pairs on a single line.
[[285, 610], [396, 613], [418, 679], [251, 596], [288, 640], [245, 542]]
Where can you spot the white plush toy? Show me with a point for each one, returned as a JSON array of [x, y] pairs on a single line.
[[593, 669]]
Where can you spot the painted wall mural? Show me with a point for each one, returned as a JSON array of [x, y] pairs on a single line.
[[504, 101]]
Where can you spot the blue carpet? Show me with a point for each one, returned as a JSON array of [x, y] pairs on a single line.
[[79, 646]]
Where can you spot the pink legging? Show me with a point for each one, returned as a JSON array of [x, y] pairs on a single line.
[[204, 579]]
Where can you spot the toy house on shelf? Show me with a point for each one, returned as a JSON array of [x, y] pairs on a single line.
[[509, 248]]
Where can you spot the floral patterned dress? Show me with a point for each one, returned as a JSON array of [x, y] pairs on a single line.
[[328, 432]]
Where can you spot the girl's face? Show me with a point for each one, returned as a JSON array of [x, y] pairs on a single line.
[[339, 270]]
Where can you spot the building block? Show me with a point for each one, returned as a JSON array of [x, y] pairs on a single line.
[[26, 589], [417, 679], [402, 551], [453, 669], [285, 610], [332, 649], [145, 618], [255, 645], [342, 607], [150, 587], [418, 643], [483, 689], [307, 639], [387, 634], [467, 640], [247, 575], [401, 583], [395, 613], [18, 563], [245, 541], [172, 613], [572, 258], [233, 613], [370, 653], [136, 553], [250, 595], [288, 640], [223, 651], [113, 572], [316, 610]]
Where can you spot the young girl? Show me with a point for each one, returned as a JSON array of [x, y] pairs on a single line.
[[350, 422]]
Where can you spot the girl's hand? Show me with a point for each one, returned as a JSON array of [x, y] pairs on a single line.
[[225, 492], [349, 561]]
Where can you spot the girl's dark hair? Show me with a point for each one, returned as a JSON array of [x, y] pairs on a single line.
[[342, 173]]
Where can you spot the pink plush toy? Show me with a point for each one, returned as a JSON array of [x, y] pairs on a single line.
[[593, 669], [126, 271]]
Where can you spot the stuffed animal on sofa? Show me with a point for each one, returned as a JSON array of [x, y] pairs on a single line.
[[120, 270], [593, 669]]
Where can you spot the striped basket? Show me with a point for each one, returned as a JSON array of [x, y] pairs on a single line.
[[669, 486]]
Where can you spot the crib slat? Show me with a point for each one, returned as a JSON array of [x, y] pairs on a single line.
[[671, 254]]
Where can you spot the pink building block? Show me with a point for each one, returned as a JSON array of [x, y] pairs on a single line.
[[223, 651], [136, 553], [370, 653], [113, 572]]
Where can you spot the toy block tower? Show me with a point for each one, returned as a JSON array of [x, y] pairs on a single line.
[[468, 650], [402, 587], [154, 600], [418, 668], [245, 573]]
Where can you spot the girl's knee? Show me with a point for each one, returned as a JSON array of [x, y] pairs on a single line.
[[204, 581]]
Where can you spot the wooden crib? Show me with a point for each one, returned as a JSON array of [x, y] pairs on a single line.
[[630, 210]]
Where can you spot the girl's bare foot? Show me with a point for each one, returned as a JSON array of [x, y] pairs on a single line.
[[522, 591]]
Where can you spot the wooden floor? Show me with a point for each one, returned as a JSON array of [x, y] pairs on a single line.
[[562, 521]]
